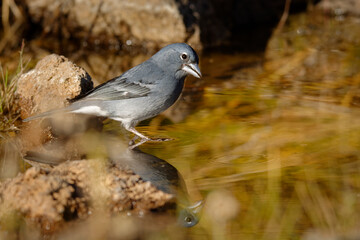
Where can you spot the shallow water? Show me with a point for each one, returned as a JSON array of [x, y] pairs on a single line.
[[279, 133], [270, 140]]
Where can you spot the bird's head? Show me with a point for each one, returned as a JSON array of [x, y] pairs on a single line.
[[179, 58]]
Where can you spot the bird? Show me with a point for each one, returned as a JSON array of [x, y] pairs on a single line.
[[140, 93]]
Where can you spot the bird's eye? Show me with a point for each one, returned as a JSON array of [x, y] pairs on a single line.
[[184, 56]]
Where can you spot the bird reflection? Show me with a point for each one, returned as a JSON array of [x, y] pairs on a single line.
[[155, 170], [160, 173], [150, 168]]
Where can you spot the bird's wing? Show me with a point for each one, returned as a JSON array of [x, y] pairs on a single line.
[[115, 89]]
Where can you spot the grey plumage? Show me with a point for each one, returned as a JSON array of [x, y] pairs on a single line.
[[140, 93]]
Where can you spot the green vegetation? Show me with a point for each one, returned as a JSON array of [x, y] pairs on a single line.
[[8, 110]]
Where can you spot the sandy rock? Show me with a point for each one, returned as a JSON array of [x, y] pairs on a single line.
[[74, 189], [48, 86]]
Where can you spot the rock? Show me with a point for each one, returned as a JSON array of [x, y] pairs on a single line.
[[50, 84], [137, 21], [73, 189], [151, 24]]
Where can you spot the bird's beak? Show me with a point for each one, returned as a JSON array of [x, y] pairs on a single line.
[[193, 69]]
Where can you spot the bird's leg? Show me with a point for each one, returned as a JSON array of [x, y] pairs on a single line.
[[133, 130], [143, 138], [137, 135], [138, 144], [132, 141]]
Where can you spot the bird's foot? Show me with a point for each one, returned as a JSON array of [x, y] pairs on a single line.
[[160, 139], [132, 141], [133, 145]]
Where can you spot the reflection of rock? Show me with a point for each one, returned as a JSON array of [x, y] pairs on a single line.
[[56, 137]]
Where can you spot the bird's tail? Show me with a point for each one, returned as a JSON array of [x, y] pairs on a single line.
[[45, 114]]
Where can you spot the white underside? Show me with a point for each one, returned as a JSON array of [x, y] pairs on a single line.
[[126, 122], [92, 110]]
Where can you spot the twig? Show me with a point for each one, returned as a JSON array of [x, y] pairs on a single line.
[[284, 17]]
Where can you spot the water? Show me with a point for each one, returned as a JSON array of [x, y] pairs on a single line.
[[279, 133], [270, 140]]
